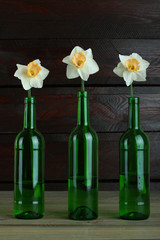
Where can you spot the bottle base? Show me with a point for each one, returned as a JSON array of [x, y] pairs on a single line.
[[83, 213], [29, 215], [134, 216]]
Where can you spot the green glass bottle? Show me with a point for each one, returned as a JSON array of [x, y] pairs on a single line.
[[83, 166], [134, 199], [29, 167]]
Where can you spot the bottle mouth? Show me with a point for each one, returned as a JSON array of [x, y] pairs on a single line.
[[29, 100], [134, 100], [82, 94]]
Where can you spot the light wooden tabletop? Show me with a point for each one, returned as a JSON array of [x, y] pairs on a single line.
[[56, 226]]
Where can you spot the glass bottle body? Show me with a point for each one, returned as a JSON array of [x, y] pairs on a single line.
[[134, 201], [83, 167], [29, 168]]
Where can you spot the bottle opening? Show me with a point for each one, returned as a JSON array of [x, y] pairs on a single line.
[[82, 94], [29, 100], [134, 100]]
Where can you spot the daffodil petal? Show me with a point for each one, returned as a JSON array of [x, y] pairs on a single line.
[[124, 58], [127, 77], [136, 71], [144, 64], [76, 49], [25, 83], [134, 76], [37, 61], [136, 56], [68, 60], [21, 71], [20, 66], [88, 53], [25, 80], [72, 72], [84, 67], [36, 82], [83, 72], [92, 66], [140, 77], [16, 74], [43, 73], [142, 73], [119, 69]]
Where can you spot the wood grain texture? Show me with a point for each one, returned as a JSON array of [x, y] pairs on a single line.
[[52, 51], [48, 30], [56, 225], [56, 109], [56, 160], [90, 19]]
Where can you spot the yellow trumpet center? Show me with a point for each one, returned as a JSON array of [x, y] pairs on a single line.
[[132, 65], [33, 69], [79, 59]]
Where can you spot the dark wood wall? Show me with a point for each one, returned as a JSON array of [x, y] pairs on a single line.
[[48, 30]]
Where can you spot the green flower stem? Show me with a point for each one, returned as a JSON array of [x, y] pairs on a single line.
[[131, 88], [29, 93], [82, 85]]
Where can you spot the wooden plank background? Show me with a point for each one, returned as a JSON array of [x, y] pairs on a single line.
[[48, 30]]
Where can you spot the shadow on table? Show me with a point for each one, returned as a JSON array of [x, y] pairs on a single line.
[[58, 214], [109, 214]]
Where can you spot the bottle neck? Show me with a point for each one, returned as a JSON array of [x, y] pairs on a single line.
[[134, 114], [83, 112], [29, 113]]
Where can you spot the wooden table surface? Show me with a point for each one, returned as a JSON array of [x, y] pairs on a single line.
[[56, 226]]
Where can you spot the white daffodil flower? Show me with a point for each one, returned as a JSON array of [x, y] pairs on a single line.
[[80, 63], [31, 75], [131, 68]]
